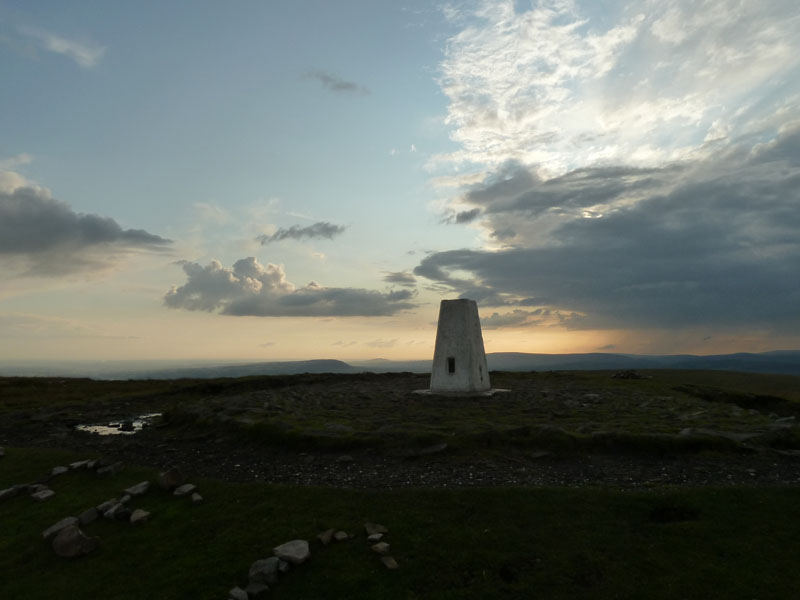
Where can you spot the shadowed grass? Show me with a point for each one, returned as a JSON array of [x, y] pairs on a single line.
[[467, 543]]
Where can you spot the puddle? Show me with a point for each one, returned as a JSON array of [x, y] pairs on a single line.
[[124, 427]]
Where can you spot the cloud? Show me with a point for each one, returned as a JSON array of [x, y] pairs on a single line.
[[710, 242], [462, 217], [403, 278], [251, 289], [381, 343], [85, 54], [321, 230], [14, 162], [53, 239], [337, 84], [559, 87], [514, 318]]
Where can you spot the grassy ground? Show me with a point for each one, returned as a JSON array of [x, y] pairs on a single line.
[[470, 543]]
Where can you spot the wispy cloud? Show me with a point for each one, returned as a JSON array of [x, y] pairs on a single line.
[[14, 162], [320, 230], [334, 83], [86, 54]]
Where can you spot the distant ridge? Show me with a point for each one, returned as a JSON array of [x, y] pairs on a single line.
[[785, 362]]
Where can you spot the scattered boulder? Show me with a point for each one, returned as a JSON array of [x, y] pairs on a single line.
[[138, 489], [125, 499], [36, 487], [139, 516], [43, 495], [126, 425], [92, 464], [112, 512], [255, 589], [80, 464], [390, 562], [109, 470], [283, 566], [380, 548], [374, 538], [185, 489], [55, 528], [341, 536], [8, 493], [89, 515], [58, 471], [71, 542], [171, 478], [237, 593], [295, 552], [628, 374], [326, 536], [102, 508], [197, 498], [264, 570], [373, 528]]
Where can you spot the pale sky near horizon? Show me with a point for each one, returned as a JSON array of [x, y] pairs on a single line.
[[297, 180]]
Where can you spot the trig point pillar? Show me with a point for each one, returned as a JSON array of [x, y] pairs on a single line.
[[459, 360]]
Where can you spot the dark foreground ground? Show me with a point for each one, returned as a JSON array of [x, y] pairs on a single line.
[[639, 430]]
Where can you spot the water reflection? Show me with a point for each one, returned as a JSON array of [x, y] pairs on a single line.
[[126, 427]]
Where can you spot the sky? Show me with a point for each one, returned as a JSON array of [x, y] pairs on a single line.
[[298, 180]]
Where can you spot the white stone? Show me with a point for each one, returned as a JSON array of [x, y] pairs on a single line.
[[295, 552], [59, 471], [139, 516], [237, 593], [81, 464], [459, 359], [54, 529], [42, 495], [197, 498], [138, 489], [185, 489]]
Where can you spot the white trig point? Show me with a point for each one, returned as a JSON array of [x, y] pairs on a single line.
[[459, 360]]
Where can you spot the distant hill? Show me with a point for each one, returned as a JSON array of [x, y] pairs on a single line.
[[785, 362]]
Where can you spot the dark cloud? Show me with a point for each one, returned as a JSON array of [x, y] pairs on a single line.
[[251, 289], [403, 278], [337, 84], [714, 243], [53, 238], [321, 230], [462, 217]]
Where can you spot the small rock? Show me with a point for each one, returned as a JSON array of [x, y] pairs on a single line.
[[58, 471], [380, 548], [81, 464], [341, 536], [125, 499], [87, 516], [36, 487], [138, 489], [283, 566], [102, 508], [54, 529], [295, 552], [8, 493], [43, 495], [237, 593], [171, 479], [372, 528], [264, 570], [92, 464], [185, 489], [390, 562], [139, 516], [255, 589], [110, 470], [326, 536], [71, 542], [197, 498], [374, 538], [111, 512]]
